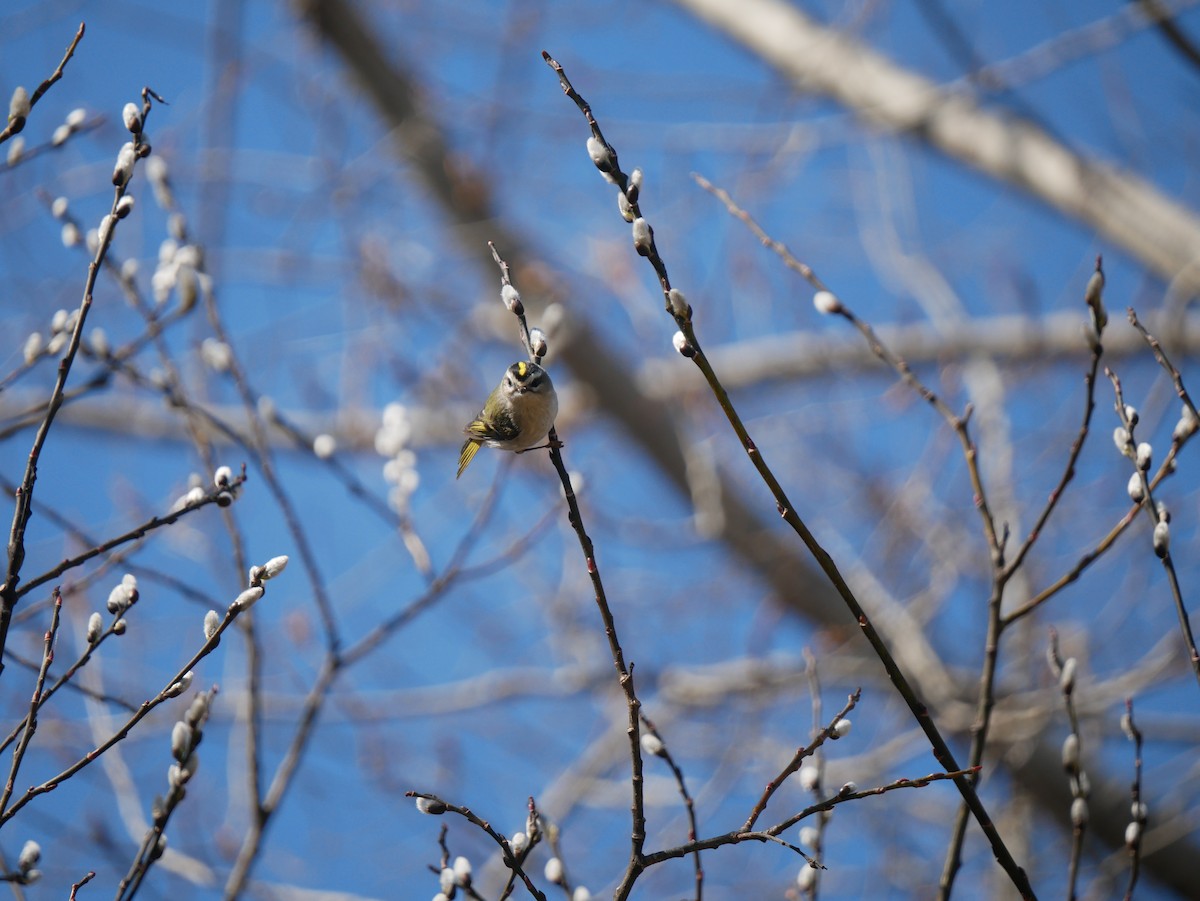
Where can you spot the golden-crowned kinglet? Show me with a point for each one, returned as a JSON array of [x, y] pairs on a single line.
[[516, 416]]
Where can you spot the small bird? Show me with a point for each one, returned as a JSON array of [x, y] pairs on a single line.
[[516, 416]]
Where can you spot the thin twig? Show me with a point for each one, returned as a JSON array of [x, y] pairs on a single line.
[[171, 689], [16, 124], [689, 805], [797, 759], [154, 841], [1161, 549], [331, 668], [1065, 671], [512, 859], [65, 679], [35, 703], [219, 496], [624, 672], [23, 507], [848, 793], [1137, 824], [606, 159]]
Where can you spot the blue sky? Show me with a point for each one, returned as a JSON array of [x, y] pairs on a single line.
[[289, 181]]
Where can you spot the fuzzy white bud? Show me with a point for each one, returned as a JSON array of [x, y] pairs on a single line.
[[624, 207], [680, 308], [1079, 813], [462, 871], [76, 118], [123, 170], [124, 206], [1133, 834], [161, 284], [31, 853], [643, 236], [430, 806], [446, 880], [70, 235], [33, 347], [1162, 538], [1127, 726], [841, 728], [826, 303], [222, 477], [119, 627], [1066, 679], [60, 135], [131, 115], [212, 622], [635, 184], [512, 299], [16, 149], [118, 599], [809, 777], [600, 154], [1145, 455], [98, 341], [808, 836], [518, 842], [187, 283], [681, 343], [95, 626], [1131, 414], [274, 567], [104, 232], [197, 711], [554, 871], [581, 894], [18, 104], [848, 788], [1139, 811], [1187, 425], [537, 342], [182, 736], [324, 446], [1070, 753], [1122, 440], [59, 207], [1135, 489], [806, 878], [652, 744], [247, 599], [217, 354]]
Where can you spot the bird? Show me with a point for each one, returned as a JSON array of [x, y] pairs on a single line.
[[516, 416]]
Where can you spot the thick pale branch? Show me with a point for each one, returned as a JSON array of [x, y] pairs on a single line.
[[1131, 213]]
